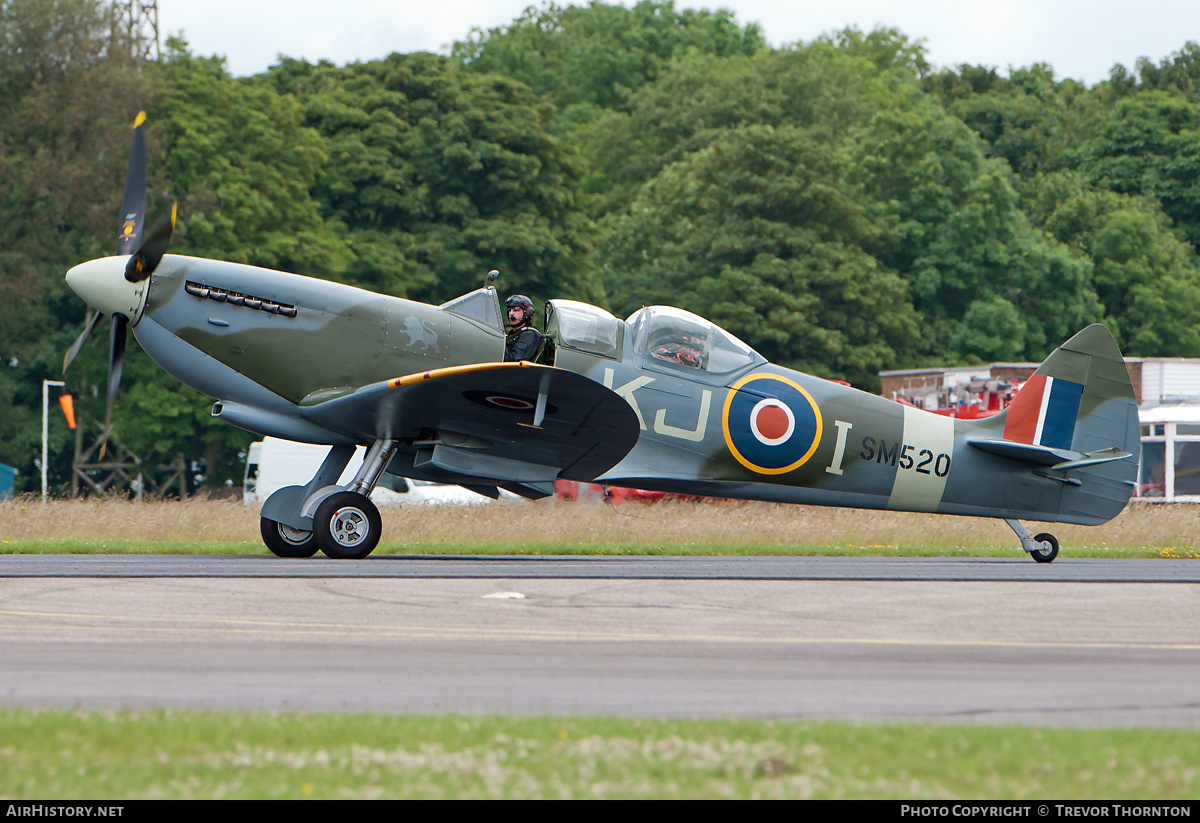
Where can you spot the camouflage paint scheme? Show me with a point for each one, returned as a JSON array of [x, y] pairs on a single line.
[[620, 403], [319, 364], [664, 400], [870, 452], [340, 338]]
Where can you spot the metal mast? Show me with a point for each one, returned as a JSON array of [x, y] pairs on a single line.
[[140, 18]]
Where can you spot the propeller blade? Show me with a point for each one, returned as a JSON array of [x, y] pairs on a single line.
[[116, 362], [133, 204], [77, 346], [146, 259]]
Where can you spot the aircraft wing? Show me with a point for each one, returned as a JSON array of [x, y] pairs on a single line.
[[491, 424]]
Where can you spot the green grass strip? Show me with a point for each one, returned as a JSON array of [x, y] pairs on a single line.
[[173, 754]]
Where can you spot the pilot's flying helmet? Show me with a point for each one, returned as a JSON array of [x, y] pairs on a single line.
[[520, 301]]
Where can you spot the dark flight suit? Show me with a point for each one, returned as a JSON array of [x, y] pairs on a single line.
[[522, 344]]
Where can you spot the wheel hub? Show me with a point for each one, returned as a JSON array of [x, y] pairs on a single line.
[[294, 536], [349, 526]]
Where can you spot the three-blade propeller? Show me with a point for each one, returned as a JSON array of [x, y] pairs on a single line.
[[146, 252]]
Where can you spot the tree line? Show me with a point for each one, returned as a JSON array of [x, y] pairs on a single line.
[[841, 205]]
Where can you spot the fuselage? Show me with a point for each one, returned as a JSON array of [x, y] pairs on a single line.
[[302, 339], [715, 417], [740, 427], [772, 433]]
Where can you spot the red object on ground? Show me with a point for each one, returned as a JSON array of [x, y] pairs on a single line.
[[595, 493], [996, 403]]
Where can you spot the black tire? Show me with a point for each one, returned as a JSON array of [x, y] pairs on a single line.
[[347, 526], [284, 541], [1046, 555]]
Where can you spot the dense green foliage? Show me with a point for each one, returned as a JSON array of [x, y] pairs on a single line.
[[436, 175], [593, 56], [67, 90], [841, 205]]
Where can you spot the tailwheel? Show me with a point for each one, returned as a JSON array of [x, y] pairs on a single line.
[[347, 526], [284, 541], [1045, 555]]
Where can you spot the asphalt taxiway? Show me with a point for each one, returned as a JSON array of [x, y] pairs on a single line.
[[1076, 642]]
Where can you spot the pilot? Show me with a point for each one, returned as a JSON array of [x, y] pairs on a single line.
[[685, 350], [524, 341]]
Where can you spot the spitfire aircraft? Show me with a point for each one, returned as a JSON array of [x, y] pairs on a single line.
[[663, 400]]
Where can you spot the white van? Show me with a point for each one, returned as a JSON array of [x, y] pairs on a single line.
[[272, 464]]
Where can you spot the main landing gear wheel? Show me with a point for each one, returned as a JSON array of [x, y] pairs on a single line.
[[284, 541], [347, 526], [1046, 555]]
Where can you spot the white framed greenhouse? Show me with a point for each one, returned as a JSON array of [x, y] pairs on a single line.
[[1168, 393], [1170, 464]]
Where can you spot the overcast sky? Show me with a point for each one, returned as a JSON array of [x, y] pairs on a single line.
[[1081, 39]]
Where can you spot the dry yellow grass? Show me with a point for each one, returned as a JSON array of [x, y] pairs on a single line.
[[668, 523]]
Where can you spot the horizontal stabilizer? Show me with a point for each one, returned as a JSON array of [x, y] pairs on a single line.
[[1093, 459], [1030, 453], [1056, 459]]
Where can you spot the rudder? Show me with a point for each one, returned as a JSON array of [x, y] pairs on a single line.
[[1075, 422], [1080, 398]]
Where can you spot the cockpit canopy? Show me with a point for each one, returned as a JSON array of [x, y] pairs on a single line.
[[679, 339], [658, 337], [584, 327], [481, 305]]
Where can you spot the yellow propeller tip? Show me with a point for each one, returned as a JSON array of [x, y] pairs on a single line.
[[141, 118]]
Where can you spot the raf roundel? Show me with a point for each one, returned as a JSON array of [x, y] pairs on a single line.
[[514, 403], [771, 424]]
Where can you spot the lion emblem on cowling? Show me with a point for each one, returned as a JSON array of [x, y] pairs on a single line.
[[420, 332]]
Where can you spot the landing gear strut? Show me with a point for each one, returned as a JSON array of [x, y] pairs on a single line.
[[1043, 548]]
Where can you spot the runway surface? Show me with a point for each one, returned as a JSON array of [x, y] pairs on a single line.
[[1018, 568], [1076, 642]]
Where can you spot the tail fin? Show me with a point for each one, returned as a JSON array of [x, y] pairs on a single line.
[[1080, 399], [1076, 421]]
